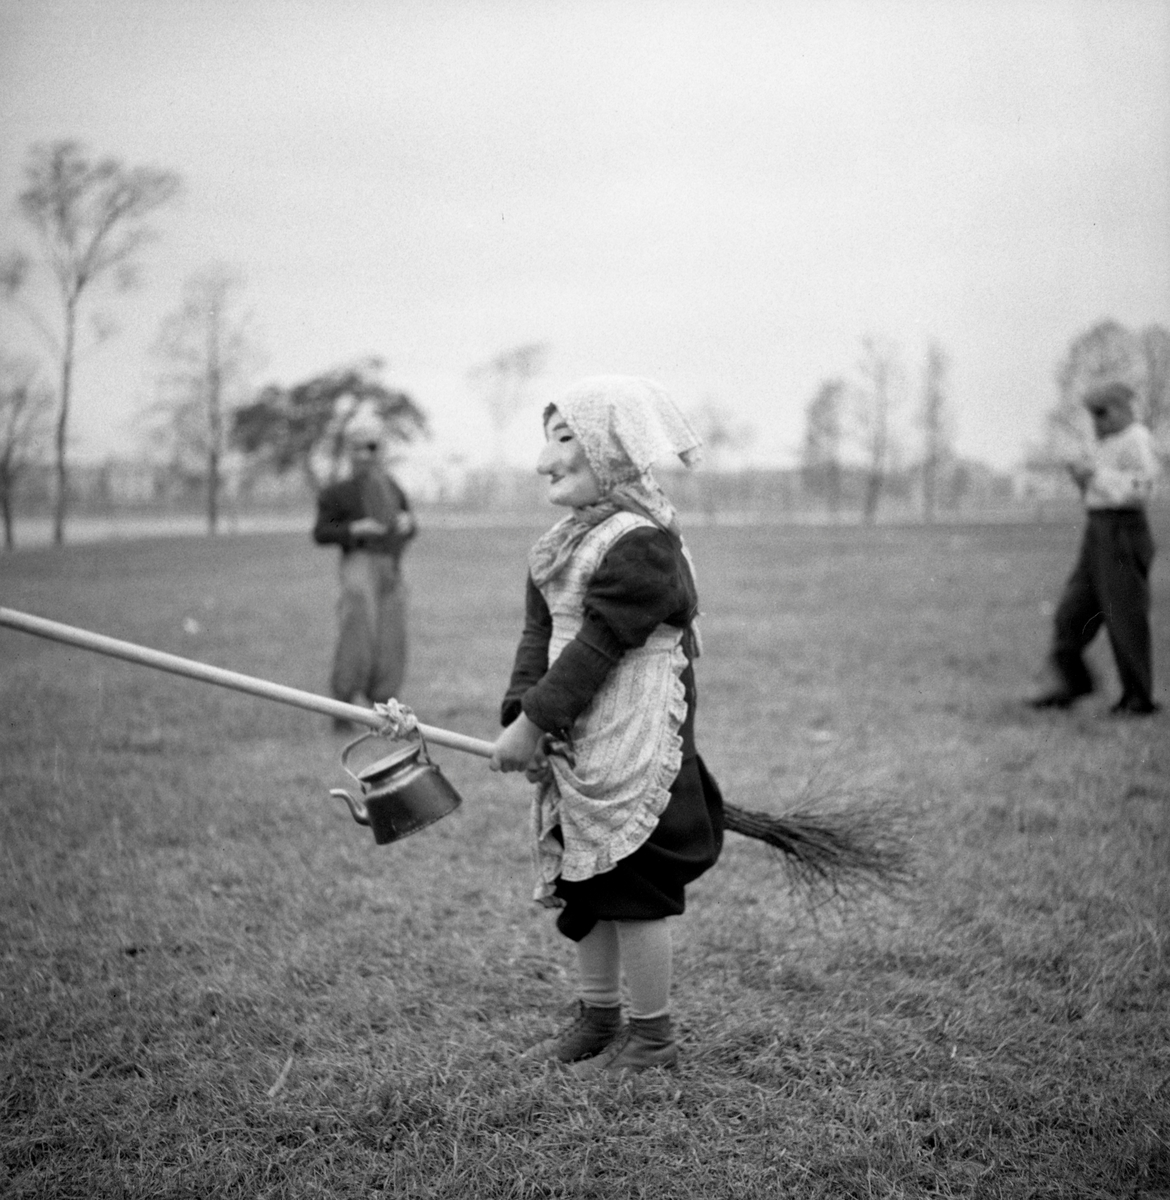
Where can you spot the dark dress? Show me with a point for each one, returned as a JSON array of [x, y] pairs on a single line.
[[642, 582]]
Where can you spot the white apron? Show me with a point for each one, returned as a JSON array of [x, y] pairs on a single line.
[[627, 742]]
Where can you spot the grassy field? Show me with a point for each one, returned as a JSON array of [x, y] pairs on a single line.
[[214, 984]]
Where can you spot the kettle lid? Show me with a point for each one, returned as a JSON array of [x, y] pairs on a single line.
[[391, 764]]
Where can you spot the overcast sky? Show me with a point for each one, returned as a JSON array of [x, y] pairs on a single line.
[[724, 195]]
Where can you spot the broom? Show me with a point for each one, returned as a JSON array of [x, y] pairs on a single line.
[[832, 853], [829, 853]]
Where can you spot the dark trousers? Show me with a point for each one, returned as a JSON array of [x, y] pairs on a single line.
[[1110, 586]]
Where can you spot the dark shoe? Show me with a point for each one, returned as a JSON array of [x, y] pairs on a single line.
[[1128, 706], [1063, 680], [589, 1033], [647, 1043]]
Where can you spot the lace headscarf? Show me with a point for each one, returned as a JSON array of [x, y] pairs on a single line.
[[624, 424]]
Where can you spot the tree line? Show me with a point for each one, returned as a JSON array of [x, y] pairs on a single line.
[[849, 421], [92, 220]]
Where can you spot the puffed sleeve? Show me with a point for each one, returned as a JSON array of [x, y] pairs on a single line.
[[642, 582]]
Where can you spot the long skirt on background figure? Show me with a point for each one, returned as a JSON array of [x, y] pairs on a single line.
[[370, 658]]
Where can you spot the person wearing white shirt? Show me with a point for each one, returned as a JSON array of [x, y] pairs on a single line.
[[1110, 583]]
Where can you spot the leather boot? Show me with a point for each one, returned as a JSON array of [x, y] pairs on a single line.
[[590, 1032], [649, 1042]]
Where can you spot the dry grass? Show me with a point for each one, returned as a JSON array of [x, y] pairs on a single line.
[[215, 984]]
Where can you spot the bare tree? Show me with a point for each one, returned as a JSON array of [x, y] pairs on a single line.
[[1104, 353], [937, 446], [721, 432], [875, 400], [722, 435], [89, 217], [25, 406], [207, 356], [503, 381], [1154, 341], [824, 435]]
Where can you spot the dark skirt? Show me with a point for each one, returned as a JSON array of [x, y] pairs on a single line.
[[651, 882]]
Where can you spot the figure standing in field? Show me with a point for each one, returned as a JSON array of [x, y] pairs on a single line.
[[1110, 583], [369, 517], [600, 713]]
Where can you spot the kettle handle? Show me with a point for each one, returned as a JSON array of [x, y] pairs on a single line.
[[373, 733], [350, 746]]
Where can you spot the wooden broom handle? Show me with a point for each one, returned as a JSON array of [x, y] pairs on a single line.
[[144, 656]]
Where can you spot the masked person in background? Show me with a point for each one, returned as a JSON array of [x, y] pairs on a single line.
[[1110, 584], [369, 517]]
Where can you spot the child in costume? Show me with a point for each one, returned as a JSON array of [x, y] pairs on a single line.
[[1110, 584], [627, 815]]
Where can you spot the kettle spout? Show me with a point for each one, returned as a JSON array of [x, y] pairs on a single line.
[[356, 807]]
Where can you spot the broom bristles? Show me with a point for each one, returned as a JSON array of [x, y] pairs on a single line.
[[839, 852]]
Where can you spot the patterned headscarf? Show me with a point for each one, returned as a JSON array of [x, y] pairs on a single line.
[[624, 425]]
